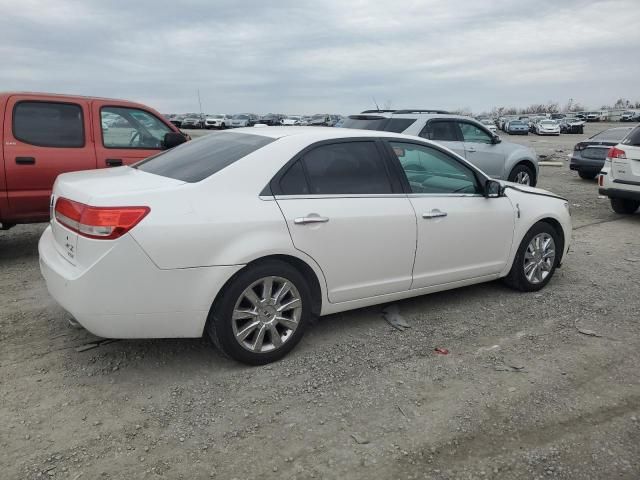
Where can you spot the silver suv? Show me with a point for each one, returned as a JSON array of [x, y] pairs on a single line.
[[463, 135]]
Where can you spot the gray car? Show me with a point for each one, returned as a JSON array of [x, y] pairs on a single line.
[[588, 155], [463, 135]]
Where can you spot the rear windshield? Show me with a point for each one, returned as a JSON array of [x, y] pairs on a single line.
[[611, 135], [633, 139], [383, 124], [198, 159]]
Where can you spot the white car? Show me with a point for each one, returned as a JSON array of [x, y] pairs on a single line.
[[291, 120], [619, 179], [247, 234], [219, 120], [547, 127], [490, 124]]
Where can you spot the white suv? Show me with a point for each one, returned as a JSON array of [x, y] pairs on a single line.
[[620, 177], [463, 135]]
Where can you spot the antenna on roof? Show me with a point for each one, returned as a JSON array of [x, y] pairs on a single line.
[[375, 103]]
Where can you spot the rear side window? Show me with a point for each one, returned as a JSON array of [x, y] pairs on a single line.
[[443, 131], [633, 139], [198, 159], [49, 124], [346, 168], [383, 124]]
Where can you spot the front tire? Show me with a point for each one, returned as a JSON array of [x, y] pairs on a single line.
[[261, 314], [624, 206], [536, 259], [523, 175]]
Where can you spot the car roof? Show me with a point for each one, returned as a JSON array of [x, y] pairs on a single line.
[[405, 114], [316, 133]]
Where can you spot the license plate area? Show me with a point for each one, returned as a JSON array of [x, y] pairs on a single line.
[[66, 241]]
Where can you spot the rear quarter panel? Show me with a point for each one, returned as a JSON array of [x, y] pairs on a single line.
[[3, 183]]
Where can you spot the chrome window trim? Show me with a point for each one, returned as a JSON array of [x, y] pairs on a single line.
[[391, 195]]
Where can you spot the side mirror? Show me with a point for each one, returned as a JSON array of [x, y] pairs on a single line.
[[493, 189], [496, 139], [173, 139]]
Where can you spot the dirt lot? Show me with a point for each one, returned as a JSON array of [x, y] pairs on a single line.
[[522, 393]]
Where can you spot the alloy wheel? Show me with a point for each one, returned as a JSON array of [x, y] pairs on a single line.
[[266, 314], [539, 258], [523, 178]]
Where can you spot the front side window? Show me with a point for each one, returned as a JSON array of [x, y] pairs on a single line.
[[345, 168], [445, 131], [49, 124], [124, 127], [429, 170], [474, 134]]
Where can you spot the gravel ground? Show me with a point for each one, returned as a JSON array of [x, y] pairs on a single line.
[[522, 393]]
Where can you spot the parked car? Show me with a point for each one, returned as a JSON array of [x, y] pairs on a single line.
[[620, 176], [219, 121], [595, 117], [490, 124], [243, 120], [557, 116], [571, 125], [271, 119], [322, 202], [517, 127], [581, 116], [533, 121], [45, 135], [589, 155], [630, 116], [320, 120], [462, 135], [291, 120], [547, 127], [193, 121], [177, 120]]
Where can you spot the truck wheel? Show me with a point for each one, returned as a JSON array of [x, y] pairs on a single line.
[[587, 175], [624, 206]]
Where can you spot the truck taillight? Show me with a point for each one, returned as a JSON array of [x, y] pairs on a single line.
[[616, 153], [105, 223]]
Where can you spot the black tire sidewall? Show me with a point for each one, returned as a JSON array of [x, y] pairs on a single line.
[[522, 168], [219, 325], [624, 206]]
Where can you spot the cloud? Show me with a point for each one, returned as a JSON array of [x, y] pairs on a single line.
[[302, 56]]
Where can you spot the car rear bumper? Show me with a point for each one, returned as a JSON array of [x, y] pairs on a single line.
[[617, 193], [125, 295], [586, 164]]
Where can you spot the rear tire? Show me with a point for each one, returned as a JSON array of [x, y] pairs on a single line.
[[528, 255], [523, 175], [624, 206], [587, 175], [272, 332]]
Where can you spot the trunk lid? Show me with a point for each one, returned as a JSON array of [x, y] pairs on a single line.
[[122, 186]]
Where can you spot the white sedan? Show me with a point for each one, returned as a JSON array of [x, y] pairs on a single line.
[[247, 234], [547, 127]]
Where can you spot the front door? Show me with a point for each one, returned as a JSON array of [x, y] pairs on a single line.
[[461, 234], [480, 150], [42, 139], [343, 211], [125, 135]]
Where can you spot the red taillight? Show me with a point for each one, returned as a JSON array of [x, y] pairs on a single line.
[[616, 153], [105, 223]]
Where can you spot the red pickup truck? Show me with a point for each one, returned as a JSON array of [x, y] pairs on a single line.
[[44, 135]]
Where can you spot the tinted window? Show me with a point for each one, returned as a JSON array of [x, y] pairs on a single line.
[[131, 128], [612, 135], [633, 138], [198, 159], [429, 170], [383, 124], [49, 124], [346, 168], [294, 182], [471, 133], [444, 131]]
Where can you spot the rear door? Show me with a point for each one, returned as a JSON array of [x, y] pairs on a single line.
[[125, 134], [344, 209], [446, 133], [43, 137], [628, 170], [480, 150]]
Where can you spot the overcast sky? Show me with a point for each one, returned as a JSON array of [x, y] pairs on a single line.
[[298, 56]]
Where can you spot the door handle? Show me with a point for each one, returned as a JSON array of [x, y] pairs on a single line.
[[435, 213], [471, 149], [25, 160], [113, 162], [310, 219]]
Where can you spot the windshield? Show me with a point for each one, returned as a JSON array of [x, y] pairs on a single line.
[[198, 159], [486, 121], [611, 135], [547, 122], [384, 124], [216, 116], [318, 117], [240, 117], [515, 122]]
